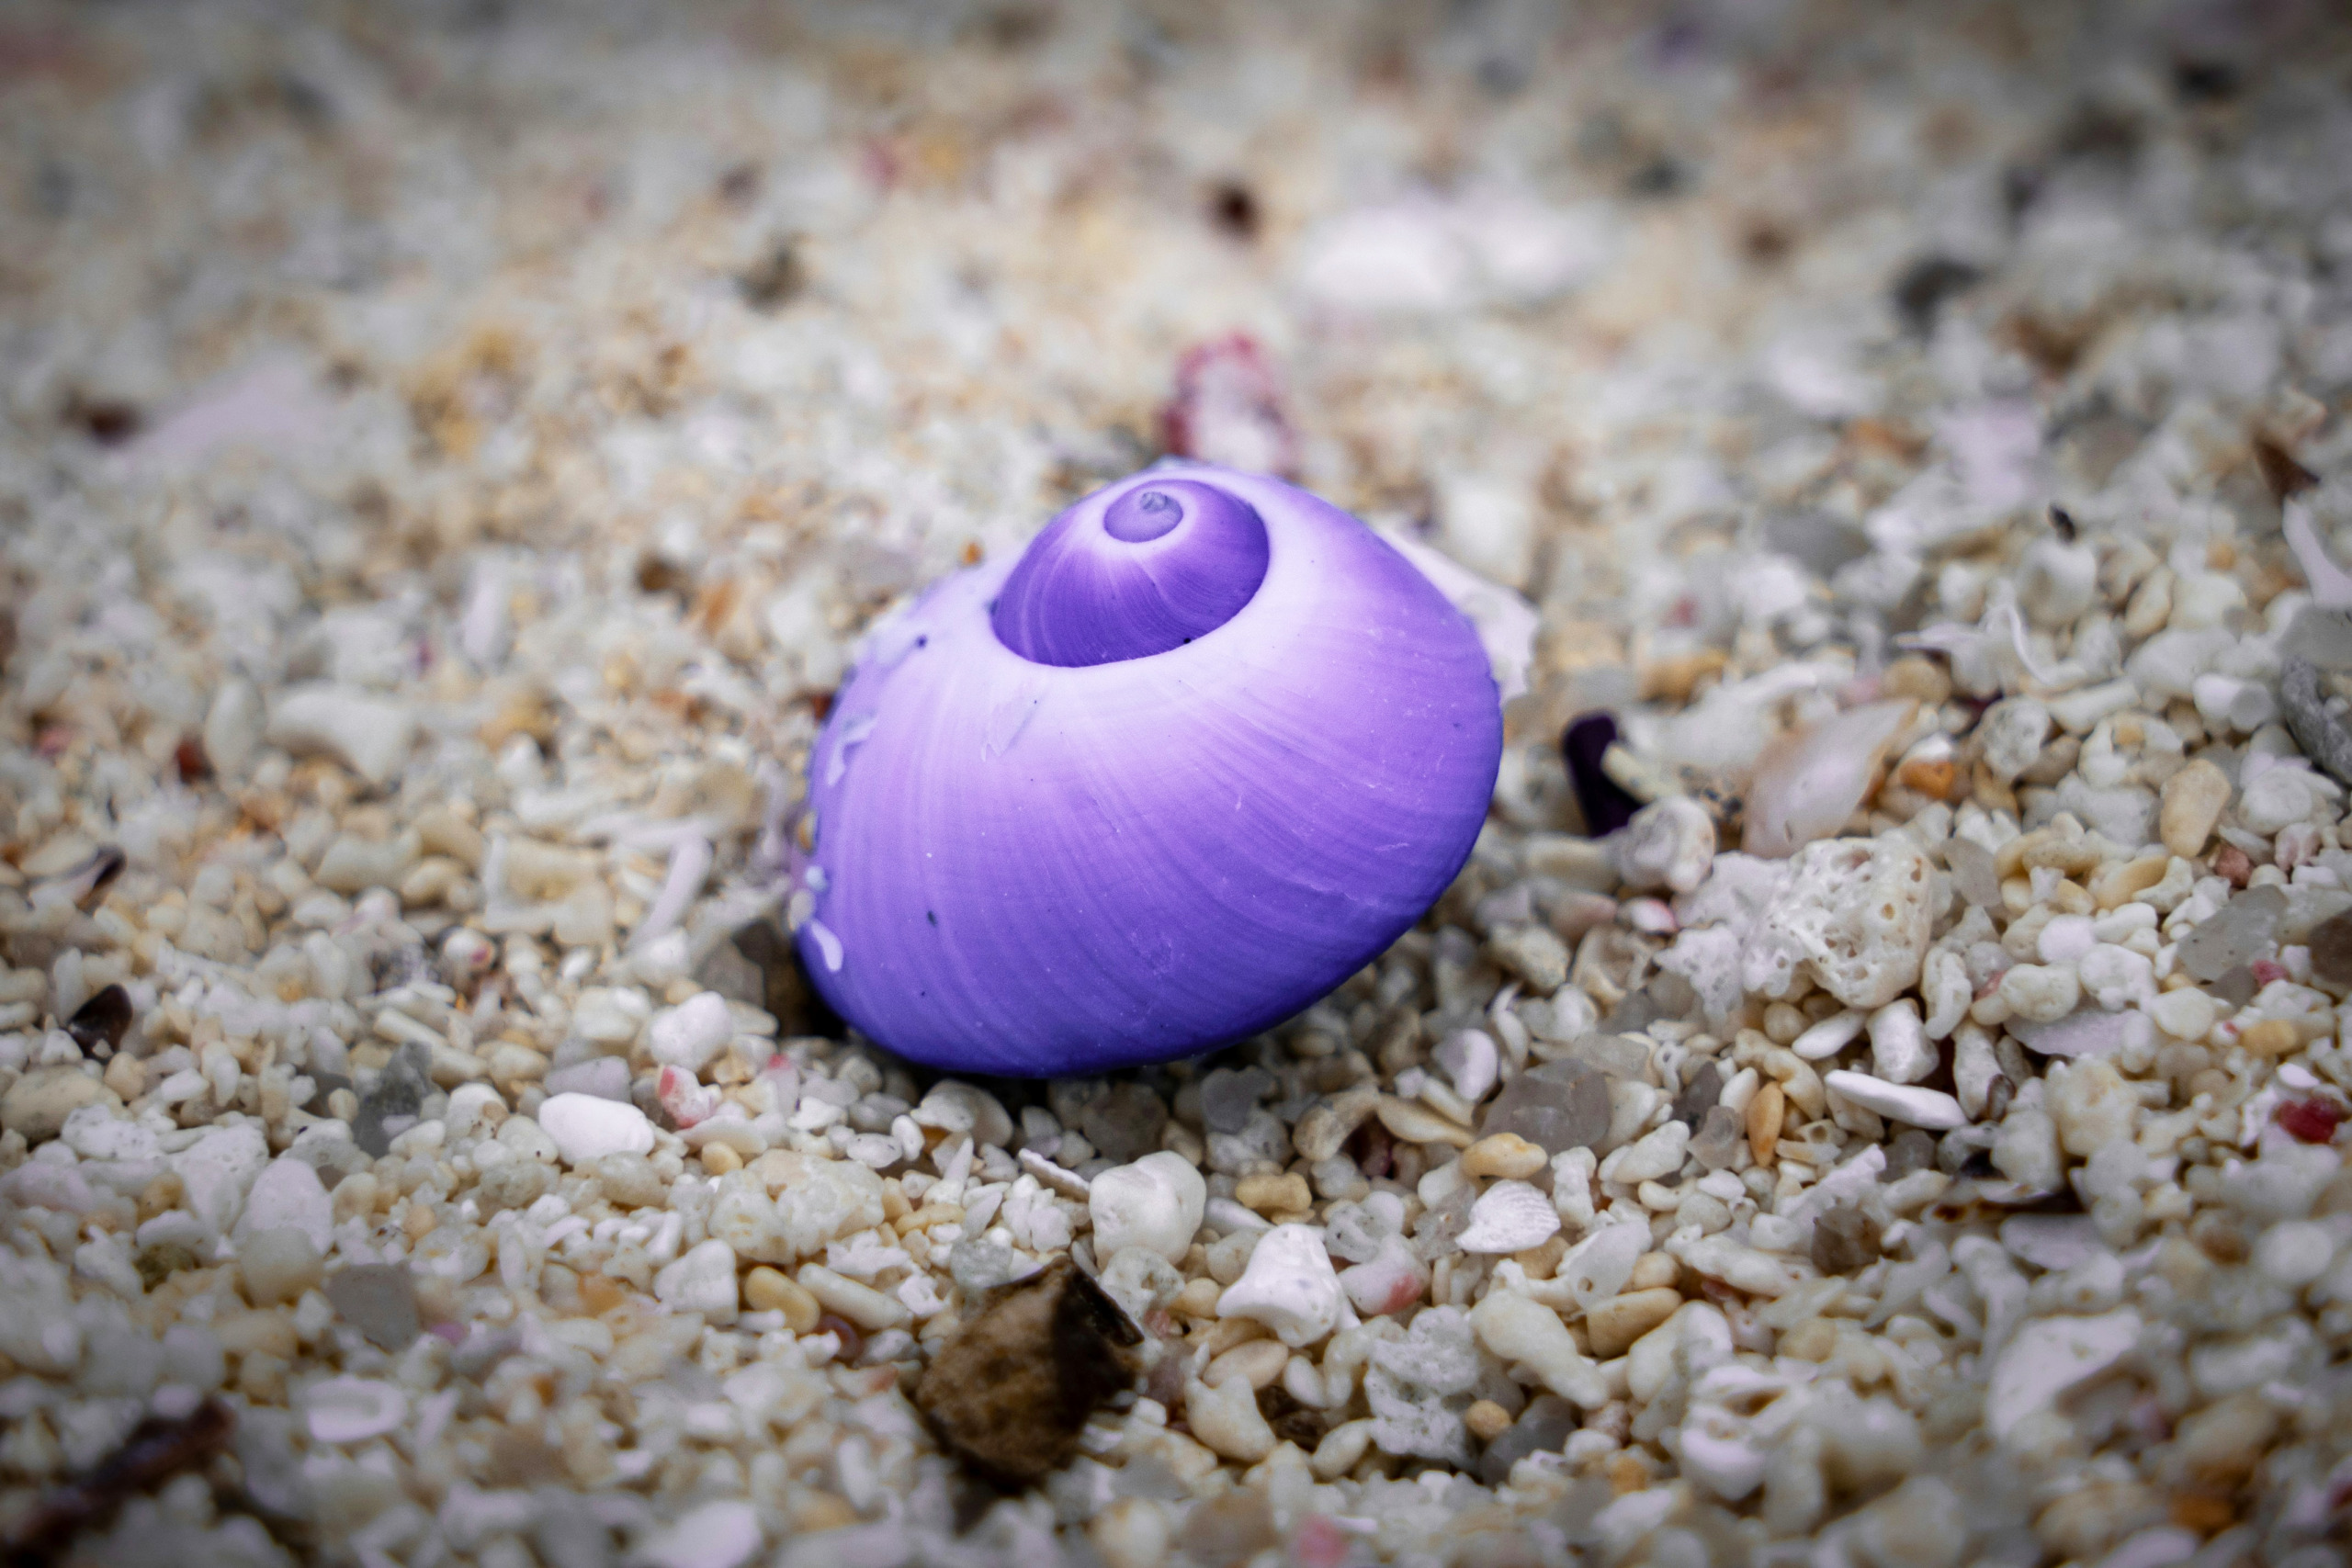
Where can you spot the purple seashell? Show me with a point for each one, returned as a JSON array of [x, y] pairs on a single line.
[[1152, 788], [1604, 802]]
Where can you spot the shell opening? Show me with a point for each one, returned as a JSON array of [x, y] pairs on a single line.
[[1128, 573]]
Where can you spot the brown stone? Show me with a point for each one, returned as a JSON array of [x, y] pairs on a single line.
[[1011, 1389]]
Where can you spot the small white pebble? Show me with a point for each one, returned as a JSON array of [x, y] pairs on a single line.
[[586, 1128], [1831, 1035], [1908, 1103]]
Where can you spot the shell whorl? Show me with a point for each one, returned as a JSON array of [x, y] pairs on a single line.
[[1129, 575]]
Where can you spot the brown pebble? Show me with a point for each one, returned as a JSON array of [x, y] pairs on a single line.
[[1011, 1389], [2331, 945], [1845, 1241]]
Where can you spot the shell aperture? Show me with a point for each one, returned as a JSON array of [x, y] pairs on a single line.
[[1050, 855]]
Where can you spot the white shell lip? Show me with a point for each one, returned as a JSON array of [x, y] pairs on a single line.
[[1039, 869]]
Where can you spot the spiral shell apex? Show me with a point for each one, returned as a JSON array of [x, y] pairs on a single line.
[[1205, 749]]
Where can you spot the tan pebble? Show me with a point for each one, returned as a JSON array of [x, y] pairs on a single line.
[[1814, 1340], [419, 1221], [1651, 1270], [252, 1331], [820, 1511], [929, 1214], [1133, 1532], [2191, 805], [261, 1377], [771, 1289], [1783, 1022], [1613, 1326], [1505, 1154], [1198, 1299], [2119, 882], [1270, 1195], [2221, 1444], [718, 1159], [1674, 677], [600, 1294], [1486, 1420], [2270, 1037], [1934, 777], [127, 1076], [894, 1201], [2151, 605], [163, 1195], [1912, 676], [1766, 1112], [1232, 1331], [1541, 1261], [1260, 1362], [1628, 1472]]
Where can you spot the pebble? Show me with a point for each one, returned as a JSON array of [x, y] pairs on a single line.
[[702, 1281], [1518, 1330], [1326, 1126], [1669, 844], [1928, 1108], [1613, 1326], [1290, 1287], [277, 1263], [368, 734], [37, 1104], [287, 1194], [1155, 1204], [2041, 993], [2244, 929], [713, 1535], [1533, 954], [217, 1170], [953, 1108], [586, 1128], [1011, 1389], [232, 728], [352, 1410], [1226, 1420], [2049, 1355], [692, 1033], [379, 1299], [1509, 1217], [1470, 1061], [1655, 1155], [1412, 1123], [2279, 798], [1899, 1047], [2090, 1104], [1845, 1241], [2331, 950], [1504, 1154], [1831, 1035], [771, 1290], [2010, 736], [1559, 1106], [1230, 1096]]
